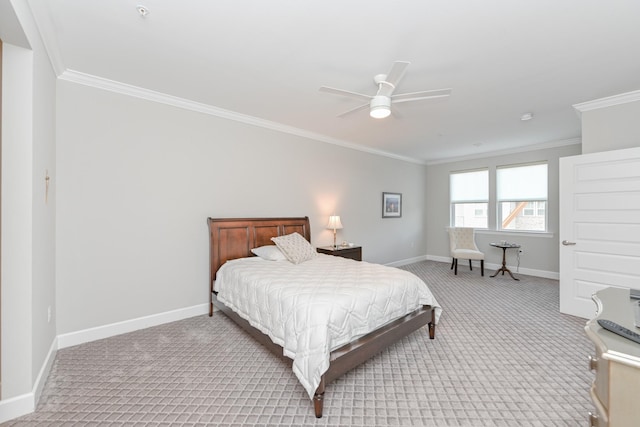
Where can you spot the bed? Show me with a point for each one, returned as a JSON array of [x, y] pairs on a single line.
[[231, 242]]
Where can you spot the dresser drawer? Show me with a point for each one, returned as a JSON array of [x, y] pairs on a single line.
[[601, 383], [600, 418]]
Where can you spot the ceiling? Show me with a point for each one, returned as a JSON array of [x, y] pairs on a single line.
[[266, 60]]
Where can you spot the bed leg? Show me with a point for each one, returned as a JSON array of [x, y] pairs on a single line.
[[318, 398], [432, 324], [211, 297], [318, 404]]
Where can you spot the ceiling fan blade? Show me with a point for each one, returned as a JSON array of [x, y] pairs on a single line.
[[393, 78], [346, 93], [396, 112], [353, 110], [418, 96]]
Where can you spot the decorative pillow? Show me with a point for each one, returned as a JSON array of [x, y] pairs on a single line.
[[270, 253], [295, 247]]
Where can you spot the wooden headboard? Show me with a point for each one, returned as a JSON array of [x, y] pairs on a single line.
[[231, 238]]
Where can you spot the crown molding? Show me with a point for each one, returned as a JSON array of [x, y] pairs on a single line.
[[609, 101], [42, 19], [526, 149], [149, 95]]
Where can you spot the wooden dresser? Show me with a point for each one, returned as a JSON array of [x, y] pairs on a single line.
[[616, 388]]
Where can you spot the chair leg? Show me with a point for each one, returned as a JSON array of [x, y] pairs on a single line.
[[455, 270], [453, 260], [482, 267], [470, 267]]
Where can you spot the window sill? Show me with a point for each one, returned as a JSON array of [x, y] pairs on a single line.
[[543, 234]]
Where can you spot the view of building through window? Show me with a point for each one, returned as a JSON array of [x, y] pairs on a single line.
[[470, 215], [530, 216]]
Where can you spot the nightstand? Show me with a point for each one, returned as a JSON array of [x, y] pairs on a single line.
[[352, 252]]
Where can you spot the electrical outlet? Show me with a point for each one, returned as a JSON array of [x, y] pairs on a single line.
[[49, 314]]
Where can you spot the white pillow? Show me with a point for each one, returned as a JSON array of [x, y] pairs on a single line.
[[270, 253], [295, 247]]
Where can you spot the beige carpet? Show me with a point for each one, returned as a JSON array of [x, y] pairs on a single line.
[[503, 356]]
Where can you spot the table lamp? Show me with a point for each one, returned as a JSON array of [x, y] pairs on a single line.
[[334, 224]]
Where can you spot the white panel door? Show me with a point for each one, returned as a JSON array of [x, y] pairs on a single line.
[[599, 226]]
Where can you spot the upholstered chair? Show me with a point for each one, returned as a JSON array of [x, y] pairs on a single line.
[[463, 246]]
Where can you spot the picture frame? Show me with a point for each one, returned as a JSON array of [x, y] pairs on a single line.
[[391, 205]]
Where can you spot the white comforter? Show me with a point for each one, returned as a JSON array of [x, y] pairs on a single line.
[[319, 305]]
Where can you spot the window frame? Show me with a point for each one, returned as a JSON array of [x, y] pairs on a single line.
[[469, 200], [534, 201]]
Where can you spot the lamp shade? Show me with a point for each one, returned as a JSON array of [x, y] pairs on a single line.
[[334, 222]]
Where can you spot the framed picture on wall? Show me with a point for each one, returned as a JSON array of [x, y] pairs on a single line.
[[391, 205]]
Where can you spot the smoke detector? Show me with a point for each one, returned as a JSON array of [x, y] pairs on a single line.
[[142, 10]]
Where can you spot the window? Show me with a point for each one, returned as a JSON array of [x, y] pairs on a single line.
[[522, 197], [469, 194], [534, 208]]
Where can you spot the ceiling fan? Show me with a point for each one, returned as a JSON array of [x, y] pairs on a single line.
[[380, 103]]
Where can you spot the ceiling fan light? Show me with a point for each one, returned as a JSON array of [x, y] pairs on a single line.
[[380, 107], [380, 112]]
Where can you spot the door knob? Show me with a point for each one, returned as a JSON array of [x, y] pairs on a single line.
[[568, 243]]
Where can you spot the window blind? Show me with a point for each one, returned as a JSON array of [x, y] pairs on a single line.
[[469, 187], [522, 183]]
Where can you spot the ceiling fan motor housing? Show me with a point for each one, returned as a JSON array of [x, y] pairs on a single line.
[[380, 106]]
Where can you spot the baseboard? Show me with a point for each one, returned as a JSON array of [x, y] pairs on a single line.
[[16, 407], [439, 258], [92, 334], [537, 273], [44, 371], [490, 266], [407, 261], [26, 403]]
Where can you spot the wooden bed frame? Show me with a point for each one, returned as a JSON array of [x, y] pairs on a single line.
[[231, 238]]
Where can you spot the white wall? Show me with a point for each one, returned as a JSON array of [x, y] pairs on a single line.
[[43, 208], [137, 180], [611, 128], [16, 221], [28, 239], [540, 252]]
